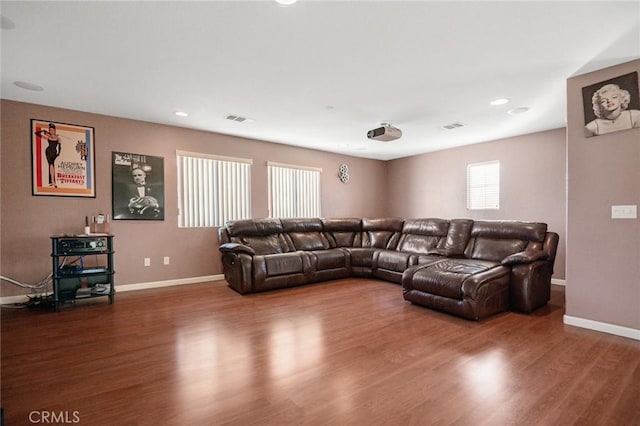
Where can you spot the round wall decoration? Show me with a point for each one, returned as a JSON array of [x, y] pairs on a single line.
[[343, 173]]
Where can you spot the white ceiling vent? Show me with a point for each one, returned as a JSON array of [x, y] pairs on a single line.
[[452, 126]]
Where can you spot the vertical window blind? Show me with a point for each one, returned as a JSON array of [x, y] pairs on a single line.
[[212, 189], [294, 191], [483, 186]]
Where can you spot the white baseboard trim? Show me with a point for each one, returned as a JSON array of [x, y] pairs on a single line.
[[9, 300], [604, 327], [168, 283], [6, 300], [557, 281]]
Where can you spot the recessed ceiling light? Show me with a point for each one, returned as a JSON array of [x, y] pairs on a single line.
[[28, 86], [516, 111], [286, 2], [181, 114], [500, 101]]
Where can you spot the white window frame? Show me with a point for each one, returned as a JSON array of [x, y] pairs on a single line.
[[212, 189], [483, 185], [294, 191]]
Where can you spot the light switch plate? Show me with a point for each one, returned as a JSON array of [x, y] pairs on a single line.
[[624, 212]]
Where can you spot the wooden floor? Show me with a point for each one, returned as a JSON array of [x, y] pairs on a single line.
[[344, 352]]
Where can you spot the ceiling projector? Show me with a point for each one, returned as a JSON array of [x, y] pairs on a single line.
[[385, 133]]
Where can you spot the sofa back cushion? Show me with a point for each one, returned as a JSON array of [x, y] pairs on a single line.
[[422, 235], [264, 236], [458, 236], [495, 240], [345, 232], [305, 234], [381, 233]]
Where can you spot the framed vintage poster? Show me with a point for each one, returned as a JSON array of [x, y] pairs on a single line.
[[62, 159], [138, 186], [611, 105]]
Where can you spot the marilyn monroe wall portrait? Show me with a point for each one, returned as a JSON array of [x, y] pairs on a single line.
[[611, 105]]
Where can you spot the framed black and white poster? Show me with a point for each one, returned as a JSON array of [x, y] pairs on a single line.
[[138, 186], [611, 105]]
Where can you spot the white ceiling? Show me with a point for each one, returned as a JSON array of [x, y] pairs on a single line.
[[317, 74]]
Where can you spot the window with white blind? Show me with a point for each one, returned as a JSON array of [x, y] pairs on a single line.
[[212, 189], [294, 191], [483, 186]]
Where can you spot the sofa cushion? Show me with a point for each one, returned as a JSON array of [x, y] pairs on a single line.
[[305, 234], [458, 236], [422, 235], [498, 229], [417, 243], [353, 224], [264, 236], [446, 278], [495, 240], [344, 239], [470, 266], [309, 240], [330, 259], [381, 233], [268, 244], [361, 256], [343, 232], [252, 227], [283, 264], [391, 260], [437, 227], [490, 249], [302, 225]]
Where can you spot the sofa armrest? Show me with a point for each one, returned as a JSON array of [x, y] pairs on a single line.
[[238, 271], [526, 256], [530, 286], [407, 277], [236, 248]]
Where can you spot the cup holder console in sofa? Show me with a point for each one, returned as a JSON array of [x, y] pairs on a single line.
[[468, 268]]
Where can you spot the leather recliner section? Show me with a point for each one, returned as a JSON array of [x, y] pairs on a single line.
[[464, 267]]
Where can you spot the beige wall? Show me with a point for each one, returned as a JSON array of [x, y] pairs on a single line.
[[532, 183], [603, 254], [429, 185], [28, 221]]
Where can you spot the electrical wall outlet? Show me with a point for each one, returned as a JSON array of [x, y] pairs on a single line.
[[147, 261], [166, 260], [624, 212]]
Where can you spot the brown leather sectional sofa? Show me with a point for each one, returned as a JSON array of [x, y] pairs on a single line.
[[468, 268]]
